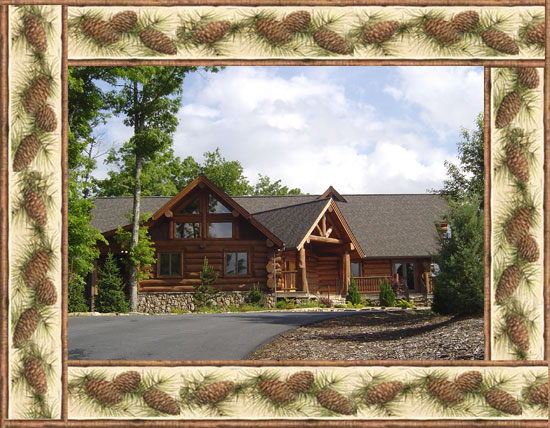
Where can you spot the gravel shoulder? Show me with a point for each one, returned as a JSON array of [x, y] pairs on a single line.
[[396, 335]]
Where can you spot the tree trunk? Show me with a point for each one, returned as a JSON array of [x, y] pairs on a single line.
[[133, 279], [135, 234]]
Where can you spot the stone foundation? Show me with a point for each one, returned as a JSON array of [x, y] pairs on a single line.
[[165, 303]]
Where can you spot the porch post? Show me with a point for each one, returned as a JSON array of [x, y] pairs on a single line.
[[347, 271], [302, 266]]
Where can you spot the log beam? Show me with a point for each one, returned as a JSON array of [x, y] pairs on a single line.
[[325, 239], [169, 214]]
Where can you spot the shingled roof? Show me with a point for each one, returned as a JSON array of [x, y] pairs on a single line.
[[385, 225]]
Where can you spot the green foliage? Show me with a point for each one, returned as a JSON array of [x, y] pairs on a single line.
[[264, 186], [286, 304], [205, 294], [354, 305], [110, 297], [143, 255], [353, 293], [254, 295], [458, 288], [178, 311], [387, 296], [340, 306], [404, 304], [310, 304], [77, 301], [466, 179]]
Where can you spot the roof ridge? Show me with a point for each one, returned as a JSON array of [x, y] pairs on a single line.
[[291, 206]]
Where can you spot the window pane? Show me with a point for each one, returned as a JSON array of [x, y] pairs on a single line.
[[242, 263], [191, 207], [164, 264], [355, 271], [230, 263], [216, 207], [175, 267], [220, 230], [187, 230]]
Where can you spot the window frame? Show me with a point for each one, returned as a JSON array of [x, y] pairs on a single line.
[[360, 268], [180, 221], [210, 220], [159, 275], [248, 270]]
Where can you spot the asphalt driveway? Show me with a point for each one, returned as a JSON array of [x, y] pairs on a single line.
[[231, 336]]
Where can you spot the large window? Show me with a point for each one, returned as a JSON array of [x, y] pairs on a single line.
[[192, 207], [188, 230], [236, 263], [220, 230], [169, 264]]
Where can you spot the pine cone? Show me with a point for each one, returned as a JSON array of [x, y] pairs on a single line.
[[215, 392], [157, 41], [127, 381], [442, 31], [500, 41], [161, 401], [36, 268], [465, 21], [300, 381], [45, 292], [103, 391], [276, 391], [517, 163], [35, 375], [384, 392], [212, 32], [35, 34], [528, 249], [517, 332], [37, 94], [537, 34], [508, 109], [528, 77], [35, 206], [334, 401], [446, 391], [25, 153], [518, 226], [381, 32], [469, 381], [274, 31], [45, 118], [331, 41], [508, 283], [99, 30], [539, 394], [502, 401], [297, 21], [25, 327], [124, 21]]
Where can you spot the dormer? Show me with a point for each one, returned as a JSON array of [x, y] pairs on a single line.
[[332, 193]]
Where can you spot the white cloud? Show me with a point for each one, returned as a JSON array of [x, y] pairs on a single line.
[[449, 97]]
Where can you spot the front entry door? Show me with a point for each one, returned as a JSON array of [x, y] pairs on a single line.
[[406, 272]]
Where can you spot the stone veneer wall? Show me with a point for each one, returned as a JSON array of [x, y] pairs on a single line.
[[165, 303]]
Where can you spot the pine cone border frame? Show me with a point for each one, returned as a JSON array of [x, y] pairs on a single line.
[[537, 35], [500, 42], [508, 283], [128, 381], [35, 375], [331, 41], [517, 332], [502, 401], [528, 77], [37, 94], [35, 34], [124, 21], [274, 31], [384, 392], [381, 32], [300, 381], [103, 391], [215, 392], [334, 401], [442, 31], [539, 394], [277, 391], [99, 30], [157, 41], [45, 292], [212, 32], [469, 381], [465, 22], [297, 22], [26, 152], [445, 391], [25, 327], [508, 109], [161, 401], [46, 119]]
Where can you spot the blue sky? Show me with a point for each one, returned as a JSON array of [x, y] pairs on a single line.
[[359, 129]]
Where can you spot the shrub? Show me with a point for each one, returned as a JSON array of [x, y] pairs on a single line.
[[353, 293], [340, 306], [404, 304], [110, 297], [387, 296], [77, 301], [286, 304], [310, 304], [204, 294], [326, 301], [254, 295]]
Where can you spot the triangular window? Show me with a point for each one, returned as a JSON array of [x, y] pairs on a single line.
[[192, 207], [216, 207]]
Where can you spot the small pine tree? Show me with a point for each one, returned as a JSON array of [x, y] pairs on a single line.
[[387, 296], [254, 295], [353, 293], [110, 297], [204, 294], [77, 301]]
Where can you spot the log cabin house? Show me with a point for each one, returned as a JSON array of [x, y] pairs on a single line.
[[298, 246]]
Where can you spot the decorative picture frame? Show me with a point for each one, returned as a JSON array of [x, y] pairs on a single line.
[[41, 387]]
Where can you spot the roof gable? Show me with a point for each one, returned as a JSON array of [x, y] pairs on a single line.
[[332, 193]]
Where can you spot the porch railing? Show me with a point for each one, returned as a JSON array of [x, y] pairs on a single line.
[[369, 284]]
